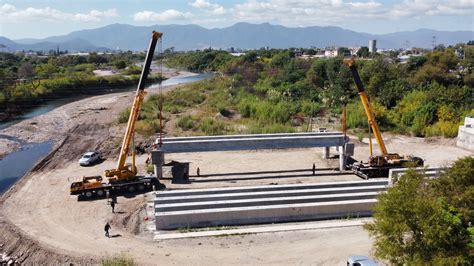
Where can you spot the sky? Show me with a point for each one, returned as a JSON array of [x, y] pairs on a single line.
[[44, 18]]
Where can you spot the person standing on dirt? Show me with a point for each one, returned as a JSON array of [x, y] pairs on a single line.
[[106, 229], [112, 204]]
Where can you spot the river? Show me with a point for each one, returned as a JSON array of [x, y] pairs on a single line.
[[30, 153]]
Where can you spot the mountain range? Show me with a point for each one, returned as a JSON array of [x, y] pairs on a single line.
[[240, 35]]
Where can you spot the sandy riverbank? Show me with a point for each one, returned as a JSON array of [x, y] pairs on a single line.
[[64, 120]]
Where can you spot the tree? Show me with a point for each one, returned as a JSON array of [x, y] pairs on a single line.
[[422, 221], [363, 52], [338, 84], [343, 51], [26, 71], [120, 64], [48, 70]]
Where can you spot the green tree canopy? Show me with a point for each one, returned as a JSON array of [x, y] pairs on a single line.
[[363, 51], [420, 221]]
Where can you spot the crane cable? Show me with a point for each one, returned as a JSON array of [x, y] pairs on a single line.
[[160, 90]]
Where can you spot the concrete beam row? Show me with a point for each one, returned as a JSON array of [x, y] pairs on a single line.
[[285, 187], [264, 214], [431, 172], [263, 204], [266, 194], [260, 202]]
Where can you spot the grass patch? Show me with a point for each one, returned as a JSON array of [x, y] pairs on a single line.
[[123, 116], [212, 126], [120, 260], [185, 122]]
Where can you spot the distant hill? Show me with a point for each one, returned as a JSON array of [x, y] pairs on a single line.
[[240, 35], [74, 44]]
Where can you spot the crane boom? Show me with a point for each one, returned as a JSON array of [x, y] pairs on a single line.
[[122, 171], [124, 177], [368, 109], [377, 166]]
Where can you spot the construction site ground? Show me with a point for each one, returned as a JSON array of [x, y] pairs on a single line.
[[42, 223]]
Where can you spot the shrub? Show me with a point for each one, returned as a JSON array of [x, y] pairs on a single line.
[[212, 127], [185, 122], [133, 70], [310, 108], [446, 129], [357, 118], [271, 128], [124, 115], [248, 107], [120, 260], [147, 127]]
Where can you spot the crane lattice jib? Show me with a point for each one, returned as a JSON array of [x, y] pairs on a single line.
[[137, 102], [368, 109]]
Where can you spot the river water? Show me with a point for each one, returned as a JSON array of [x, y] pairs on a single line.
[[30, 153]]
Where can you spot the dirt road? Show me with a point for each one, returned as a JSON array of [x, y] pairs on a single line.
[[42, 208], [67, 226]]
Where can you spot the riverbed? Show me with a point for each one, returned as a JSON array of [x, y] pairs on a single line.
[[24, 152]]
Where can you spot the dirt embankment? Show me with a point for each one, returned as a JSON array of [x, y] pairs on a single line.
[[17, 248]]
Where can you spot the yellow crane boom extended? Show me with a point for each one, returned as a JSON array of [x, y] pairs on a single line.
[[378, 166], [123, 172], [368, 109]]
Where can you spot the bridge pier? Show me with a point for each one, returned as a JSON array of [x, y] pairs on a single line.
[[342, 158], [326, 153], [158, 159]]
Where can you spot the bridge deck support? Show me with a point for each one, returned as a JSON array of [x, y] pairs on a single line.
[[254, 142]]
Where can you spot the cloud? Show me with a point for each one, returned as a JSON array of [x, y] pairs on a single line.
[[412, 8], [211, 8], [304, 12], [95, 15], [166, 15], [11, 13], [7, 8], [202, 4]]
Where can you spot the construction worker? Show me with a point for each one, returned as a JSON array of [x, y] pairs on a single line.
[[198, 172], [314, 169], [112, 204], [106, 229]]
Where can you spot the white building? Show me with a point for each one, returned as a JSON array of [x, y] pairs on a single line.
[[330, 53], [373, 46]]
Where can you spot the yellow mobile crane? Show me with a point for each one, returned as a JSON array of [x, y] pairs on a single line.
[[377, 166], [124, 177]]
